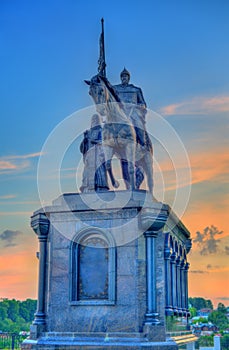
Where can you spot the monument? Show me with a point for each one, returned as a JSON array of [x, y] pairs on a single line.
[[112, 263]]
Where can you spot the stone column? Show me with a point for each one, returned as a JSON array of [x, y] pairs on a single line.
[[40, 225], [178, 284], [182, 284], [151, 222], [186, 286], [168, 303], [173, 282], [151, 316]]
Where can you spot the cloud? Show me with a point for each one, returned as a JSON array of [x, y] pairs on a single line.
[[227, 250], [8, 196], [26, 156], [13, 202], [207, 241], [204, 167], [8, 164], [223, 298], [198, 271], [13, 213], [216, 268], [8, 237], [198, 105]]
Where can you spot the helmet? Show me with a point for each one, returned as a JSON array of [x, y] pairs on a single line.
[[125, 71]]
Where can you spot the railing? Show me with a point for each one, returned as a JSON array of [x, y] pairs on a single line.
[[178, 333], [10, 341]]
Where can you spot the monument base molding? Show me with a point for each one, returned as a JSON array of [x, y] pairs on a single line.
[[103, 341]]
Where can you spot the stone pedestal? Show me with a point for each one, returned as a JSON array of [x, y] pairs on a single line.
[[102, 273]]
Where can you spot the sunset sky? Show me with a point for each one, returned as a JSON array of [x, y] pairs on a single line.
[[177, 52]]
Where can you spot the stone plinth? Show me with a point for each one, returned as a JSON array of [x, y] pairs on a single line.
[[110, 297]]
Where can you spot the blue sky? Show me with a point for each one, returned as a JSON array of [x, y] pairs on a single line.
[[176, 51]]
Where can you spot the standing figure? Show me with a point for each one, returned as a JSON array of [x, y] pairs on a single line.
[[94, 173], [134, 105]]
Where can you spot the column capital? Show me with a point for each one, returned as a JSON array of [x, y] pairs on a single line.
[[178, 260], [182, 264], [186, 266], [40, 224], [173, 257], [188, 244], [167, 253], [151, 234]]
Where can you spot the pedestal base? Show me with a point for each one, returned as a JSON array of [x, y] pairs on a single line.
[[103, 341]]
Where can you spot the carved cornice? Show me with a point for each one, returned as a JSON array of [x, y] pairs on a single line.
[[40, 224], [151, 220]]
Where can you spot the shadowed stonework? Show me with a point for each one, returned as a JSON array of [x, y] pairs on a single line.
[[96, 294]]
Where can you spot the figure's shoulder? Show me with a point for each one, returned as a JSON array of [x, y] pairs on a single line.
[[134, 87], [126, 87], [117, 86]]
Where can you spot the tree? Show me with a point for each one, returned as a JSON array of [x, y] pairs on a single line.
[[192, 311], [7, 325], [13, 309], [201, 303], [225, 342], [219, 319], [209, 304], [3, 311], [222, 308], [16, 315]]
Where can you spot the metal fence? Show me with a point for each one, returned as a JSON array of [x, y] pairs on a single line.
[[10, 341]]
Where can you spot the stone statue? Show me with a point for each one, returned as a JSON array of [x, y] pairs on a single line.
[[94, 173], [134, 105], [124, 132]]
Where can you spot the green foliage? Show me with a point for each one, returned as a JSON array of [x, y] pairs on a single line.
[[201, 303], [225, 342], [170, 323], [3, 312], [174, 324], [222, 308], [27, 309], [13, 310], [219, 319], [200, 320], [206, 340], [16, 315], [192, 311]]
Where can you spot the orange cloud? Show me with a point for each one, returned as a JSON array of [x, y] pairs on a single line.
[[25, 156], [205, 166], [198, 105], [6, 165], [208, 166]]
